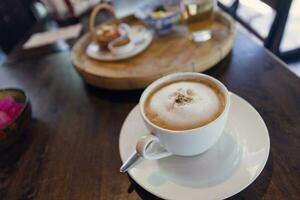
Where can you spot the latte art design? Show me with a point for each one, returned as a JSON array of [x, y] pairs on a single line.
[[183, 105]]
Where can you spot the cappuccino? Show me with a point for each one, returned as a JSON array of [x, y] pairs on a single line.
[[184, 104]]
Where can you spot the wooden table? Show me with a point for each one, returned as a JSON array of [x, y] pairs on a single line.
[[71, 150]]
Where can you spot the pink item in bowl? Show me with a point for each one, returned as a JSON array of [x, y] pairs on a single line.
[[9, 110], [15, 115]]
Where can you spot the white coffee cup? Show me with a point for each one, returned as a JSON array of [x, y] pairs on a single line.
[[161, 142]]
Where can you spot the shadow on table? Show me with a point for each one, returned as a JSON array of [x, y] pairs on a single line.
[[11, 155], [141, 191], [132, 96], [127, 96], [221, 67], [256, 190]]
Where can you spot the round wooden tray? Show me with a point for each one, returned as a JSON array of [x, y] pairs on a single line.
[[167, 54]]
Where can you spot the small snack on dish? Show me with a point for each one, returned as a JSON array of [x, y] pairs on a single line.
[[106, 33], [121, 42], [160, 12]]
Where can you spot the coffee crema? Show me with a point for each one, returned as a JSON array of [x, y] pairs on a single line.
[[184, 104]]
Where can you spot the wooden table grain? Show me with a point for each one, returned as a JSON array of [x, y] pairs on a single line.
[[70, 151]]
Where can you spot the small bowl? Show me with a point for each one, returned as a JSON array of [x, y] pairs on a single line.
[[122, 49], [11, 132], [161, 25]]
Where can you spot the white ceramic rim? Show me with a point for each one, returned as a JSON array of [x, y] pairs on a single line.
[[185, 76], [122, 49]]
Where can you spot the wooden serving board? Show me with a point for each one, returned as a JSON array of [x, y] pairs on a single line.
[[174, 52]]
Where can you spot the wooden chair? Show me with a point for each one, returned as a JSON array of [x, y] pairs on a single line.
[[274, 37]]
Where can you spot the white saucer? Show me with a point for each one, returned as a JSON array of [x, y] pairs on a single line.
[[144, 40], [224, 170]]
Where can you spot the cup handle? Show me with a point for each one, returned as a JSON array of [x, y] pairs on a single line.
[[150, 148]]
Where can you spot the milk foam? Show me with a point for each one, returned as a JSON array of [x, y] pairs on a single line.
[[184, 104]]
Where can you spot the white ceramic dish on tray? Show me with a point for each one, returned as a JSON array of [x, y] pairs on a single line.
[[141, 40]]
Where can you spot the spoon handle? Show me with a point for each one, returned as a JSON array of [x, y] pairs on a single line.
[[130, 162]]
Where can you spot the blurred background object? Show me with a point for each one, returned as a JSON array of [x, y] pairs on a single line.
[[159, 15], [2, 56], [275, 23], [16, 18], [62, 9]]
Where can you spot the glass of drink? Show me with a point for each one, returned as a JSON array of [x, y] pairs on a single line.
[[198, 16]]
